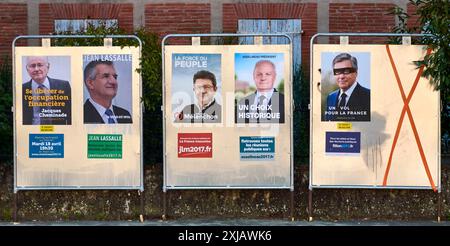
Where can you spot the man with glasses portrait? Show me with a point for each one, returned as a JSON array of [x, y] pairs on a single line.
[[351, 102], [205, 109], [45, 101], [101, 81]]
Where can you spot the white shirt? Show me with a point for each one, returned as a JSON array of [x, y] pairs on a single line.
[[101, 111], [35, 85]]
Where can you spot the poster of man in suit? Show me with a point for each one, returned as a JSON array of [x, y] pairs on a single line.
[[196, 88], [46, 90], [107, 91], [345, 86]]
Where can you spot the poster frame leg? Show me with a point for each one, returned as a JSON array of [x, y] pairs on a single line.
[[292, 205], [439, 208], [164, 215], [15, 207], [310, 212], [142, 206]]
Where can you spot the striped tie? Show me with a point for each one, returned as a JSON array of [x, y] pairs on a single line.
[[110, 115]]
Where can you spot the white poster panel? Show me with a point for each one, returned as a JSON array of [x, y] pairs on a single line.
[[375, 120], [77, 118], [227, 116]]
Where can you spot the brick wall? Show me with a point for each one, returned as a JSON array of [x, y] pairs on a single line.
[[13, 22], [413, 20], [353, 17], [306, 12], [48, 13], [178, 18]]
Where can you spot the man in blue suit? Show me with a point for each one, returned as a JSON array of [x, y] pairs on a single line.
[[100, 78], [351, 102]]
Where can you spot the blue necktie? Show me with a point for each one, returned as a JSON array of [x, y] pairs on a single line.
[[110, 115]]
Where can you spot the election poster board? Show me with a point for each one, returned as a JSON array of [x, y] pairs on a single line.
[[77, 117], [384, 132], [227, 112]]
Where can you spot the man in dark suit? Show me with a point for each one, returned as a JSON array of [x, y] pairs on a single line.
[[266, 105], [206, 109], [100, 78], [45, 101], [351, 102]]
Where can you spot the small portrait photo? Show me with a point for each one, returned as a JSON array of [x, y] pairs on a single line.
[[345, 86], [196, 88], [259, 87], [107, 80], [46, 90]]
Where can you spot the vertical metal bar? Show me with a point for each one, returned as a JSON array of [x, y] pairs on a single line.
[[196, 41], [163, 64], [15, 207], [439, 206], [310, 213], [108, 42], [141, 216], [310, 108], [164, 216], [292, 206]]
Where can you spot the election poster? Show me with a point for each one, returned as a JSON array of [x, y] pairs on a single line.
[[46, 90], [345, 86], [375, 119], [107, 85], [259, 87], [208, 143], [77, 118], [197, 82]]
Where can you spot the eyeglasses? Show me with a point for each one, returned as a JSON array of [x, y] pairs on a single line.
[[38, 65], [107, 76], [344, 70], [204, 87]]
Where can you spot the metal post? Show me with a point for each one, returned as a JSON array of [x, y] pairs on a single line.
[[15, 206], [292, 206], [310, 218], [164, 217], [141, 216], [439, 206]]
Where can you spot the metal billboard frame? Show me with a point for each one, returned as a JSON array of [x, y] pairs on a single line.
[[376, 187], [107, 42], [200, 35]]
